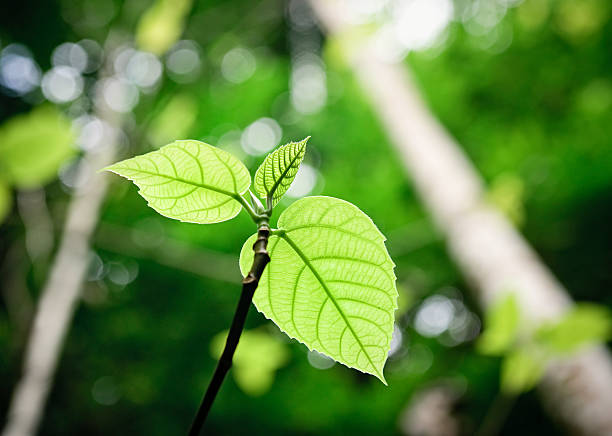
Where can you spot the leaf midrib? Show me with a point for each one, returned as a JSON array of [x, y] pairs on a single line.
[[331, 297], [234, 195], [284, 173]]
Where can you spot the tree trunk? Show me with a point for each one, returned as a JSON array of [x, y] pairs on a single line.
[[491, 253], [60, 295]]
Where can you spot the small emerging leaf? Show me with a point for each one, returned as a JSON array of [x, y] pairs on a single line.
[[275, 175], [330, 283], [584, 324], [501, 326], [520, 372], [189, 181], [257, 358]]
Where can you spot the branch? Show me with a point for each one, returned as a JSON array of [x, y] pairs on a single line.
[[491, 253], [37, 221], [61, 292], [249, 285], [172, 253], [17, 298]]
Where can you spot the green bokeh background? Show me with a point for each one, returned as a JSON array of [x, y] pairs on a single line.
[[535, 118]]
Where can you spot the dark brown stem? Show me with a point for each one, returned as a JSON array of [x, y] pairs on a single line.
[[249, 285]]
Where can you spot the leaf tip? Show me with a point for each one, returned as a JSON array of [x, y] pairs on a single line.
[[108, 169], [304, 141]]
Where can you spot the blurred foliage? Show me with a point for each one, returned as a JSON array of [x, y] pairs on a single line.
[[6, 200], [258, 356], [585, 324], [526, 349], [162, 25], [520, 372], [534, 106], [34, 145], [539, 110], [506, 193], [501, 326], [174, 121]]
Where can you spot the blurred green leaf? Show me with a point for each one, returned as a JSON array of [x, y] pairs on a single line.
[[506, 193], [34, 145], [275, 175], [188, 180], [585, 324], [6, 200], [330, 283], [256, 360], [501, 326], [174, 121], [577, 20], [520, 372], [162, 25]]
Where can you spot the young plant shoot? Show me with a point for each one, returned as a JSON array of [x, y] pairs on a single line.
[[323, 275]]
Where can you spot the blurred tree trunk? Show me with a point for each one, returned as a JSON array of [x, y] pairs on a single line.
[[491, 253], [60, 295]]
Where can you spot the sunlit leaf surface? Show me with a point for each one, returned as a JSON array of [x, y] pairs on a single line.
[[330, 283], [189, 181], [275, 175]]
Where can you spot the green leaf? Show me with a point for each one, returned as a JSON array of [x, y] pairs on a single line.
[[33, 146], [520, 372], [256, 360], [275, 175], [501, 327], [6, 200], [585, 324], [330, 282], [189, 181]]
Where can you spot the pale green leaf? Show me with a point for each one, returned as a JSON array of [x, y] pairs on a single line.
[[275, 175], [520, 372], [501, 327], [330, 282], [189, 181], [6, 200], [256, 360], [585, 324], [33, 146]]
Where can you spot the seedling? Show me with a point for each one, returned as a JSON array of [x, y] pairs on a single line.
[[323, 275]]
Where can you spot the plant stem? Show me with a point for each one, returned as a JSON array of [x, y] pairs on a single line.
[[249, 208], [249, 285]]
